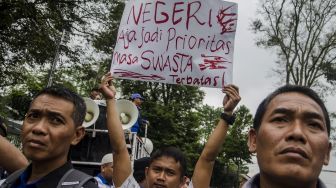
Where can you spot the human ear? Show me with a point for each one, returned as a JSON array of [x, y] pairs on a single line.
[[79, 134], [146, 171], [252, 140], [327, 155], [184, 180]]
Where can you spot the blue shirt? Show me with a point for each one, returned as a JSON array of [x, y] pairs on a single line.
[[136, 127], [102, 182], [23, 181]]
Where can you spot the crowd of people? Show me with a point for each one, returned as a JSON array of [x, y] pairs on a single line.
[[290, 137]]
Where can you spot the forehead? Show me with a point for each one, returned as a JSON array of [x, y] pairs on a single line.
[[295, 102], [166, 162], [47, 102]]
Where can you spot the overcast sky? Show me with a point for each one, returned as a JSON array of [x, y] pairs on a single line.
[[252, 70]]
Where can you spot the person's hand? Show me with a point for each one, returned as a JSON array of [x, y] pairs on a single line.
[[106, 86], [231, 98]]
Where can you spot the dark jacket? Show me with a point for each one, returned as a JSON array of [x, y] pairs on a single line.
[[49, 181]]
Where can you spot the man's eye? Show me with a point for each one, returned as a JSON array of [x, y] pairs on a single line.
[[170, 173], [279, 119], [315, 125], [157, 170], [32, 116], [56, 120]]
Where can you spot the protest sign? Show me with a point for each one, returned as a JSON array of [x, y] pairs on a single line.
[[176, 42]]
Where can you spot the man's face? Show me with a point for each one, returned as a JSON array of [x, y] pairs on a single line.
[[292, 141], [95, 95], [107, 171], [164, 172], [138, 102], [48, 130]]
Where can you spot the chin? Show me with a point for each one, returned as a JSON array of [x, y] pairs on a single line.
[[295, 173], [33, 156]]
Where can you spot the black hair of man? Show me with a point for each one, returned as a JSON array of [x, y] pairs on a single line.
[[139, 168], [174, 153], [68, 95], [286, 89], [95, 89]]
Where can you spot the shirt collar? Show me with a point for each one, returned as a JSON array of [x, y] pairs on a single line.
[[104, 181], [254, 182]]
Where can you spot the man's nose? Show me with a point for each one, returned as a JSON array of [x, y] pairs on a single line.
[[297, 132], [40, 127], [162, 176]]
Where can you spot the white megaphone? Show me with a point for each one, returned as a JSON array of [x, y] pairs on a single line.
[[92, 112], [148, 144], [128, 113]]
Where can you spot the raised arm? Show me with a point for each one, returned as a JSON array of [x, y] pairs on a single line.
[[8, 153], [121, 160], [204, 166]]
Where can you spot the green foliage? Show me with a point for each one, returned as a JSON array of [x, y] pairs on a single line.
[[30, 34], [170, 109], [235, 155], [235, 146], [208, 120]]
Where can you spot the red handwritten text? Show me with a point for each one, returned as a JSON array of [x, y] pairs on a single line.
[[213, 62], [180, 12], [227, 20], [176, 63]]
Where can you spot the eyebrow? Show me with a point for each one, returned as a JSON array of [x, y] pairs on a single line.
[[283, 111], [48, 112], [163, 168], [306, 114]]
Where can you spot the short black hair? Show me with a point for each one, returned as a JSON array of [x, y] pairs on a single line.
[[66, 94], [95, 89], [139, 168], [174, 153], [285, 89]]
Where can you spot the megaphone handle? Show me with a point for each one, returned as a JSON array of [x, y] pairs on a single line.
[[146, 127], [94, 131]]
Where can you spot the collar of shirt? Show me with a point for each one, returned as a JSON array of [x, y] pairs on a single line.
[[254, 182], [50, 180], [104, 181]]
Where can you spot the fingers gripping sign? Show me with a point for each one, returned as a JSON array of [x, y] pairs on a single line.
[[231, 98], [107, 87]]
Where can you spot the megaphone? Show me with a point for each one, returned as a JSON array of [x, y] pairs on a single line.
[[148, 144], [92, 112], [128, 113]]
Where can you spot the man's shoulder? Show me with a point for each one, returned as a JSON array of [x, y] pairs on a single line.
[[321, 184], [71, 177], [130, 182], [76, 177], [12, 179], [253, 182]]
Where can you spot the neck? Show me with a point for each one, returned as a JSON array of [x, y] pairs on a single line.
[[276, 182], [42, 168]]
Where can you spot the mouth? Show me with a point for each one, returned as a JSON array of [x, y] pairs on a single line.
[[156, 185], [35, 143], [294, 152]]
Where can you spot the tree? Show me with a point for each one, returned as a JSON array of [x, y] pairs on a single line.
[[208, 120], [171, 111], [32, 33], [235, 146], [235, 155], [304, 36]]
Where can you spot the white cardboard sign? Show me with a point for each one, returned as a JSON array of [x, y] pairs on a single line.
[[177, 42]]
